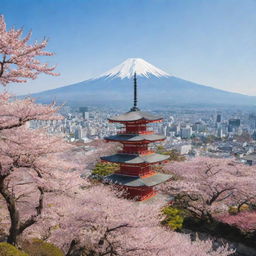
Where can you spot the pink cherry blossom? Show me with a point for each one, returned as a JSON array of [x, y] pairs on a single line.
[[208, 186], [18, 58]]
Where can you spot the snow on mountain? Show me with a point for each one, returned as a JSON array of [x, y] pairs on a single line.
[[127, 68]]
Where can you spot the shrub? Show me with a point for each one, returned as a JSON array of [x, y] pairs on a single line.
[[232, 210], [103, 169], [173, 154], [9, 250], [37, 247], [174, 217], [244, 207]]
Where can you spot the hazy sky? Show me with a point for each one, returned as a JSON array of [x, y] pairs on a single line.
[[212, 42]]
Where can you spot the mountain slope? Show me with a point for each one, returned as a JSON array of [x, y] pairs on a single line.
[[155, 88]]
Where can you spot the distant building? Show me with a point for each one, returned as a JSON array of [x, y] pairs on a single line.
[[254, 135], [186, 132], [249, 159], [219, 132], [183, 149], [86, 115], [233, 124], [84, 111], [218, 119], [78, 133], [252, 121], [226, 149], [175, 129], [198, 127]]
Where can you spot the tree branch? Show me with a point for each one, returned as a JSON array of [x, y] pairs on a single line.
[[12, 209]]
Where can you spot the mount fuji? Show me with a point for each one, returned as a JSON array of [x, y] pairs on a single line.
[[155, 88]]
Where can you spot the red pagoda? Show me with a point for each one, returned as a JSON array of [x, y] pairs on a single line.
[[136, 174]]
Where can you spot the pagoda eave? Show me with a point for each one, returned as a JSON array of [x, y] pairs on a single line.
[[130, 138], [135, 159], [139, 121], [136, 117], [133, 181]]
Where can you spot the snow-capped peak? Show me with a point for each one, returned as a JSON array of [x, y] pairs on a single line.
[[127, 69]]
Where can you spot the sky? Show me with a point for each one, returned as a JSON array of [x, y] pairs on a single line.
[[211, 42]]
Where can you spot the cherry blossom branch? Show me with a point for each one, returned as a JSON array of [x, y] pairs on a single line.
[[19, 61]]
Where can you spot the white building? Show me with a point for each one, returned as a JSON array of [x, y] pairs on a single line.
[[186, 132]]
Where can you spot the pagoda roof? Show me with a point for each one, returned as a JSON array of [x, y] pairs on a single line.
[[132, 181], [133, 116], [135, 159], [136, 137]]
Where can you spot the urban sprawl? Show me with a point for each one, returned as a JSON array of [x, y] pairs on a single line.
[[189, 132]]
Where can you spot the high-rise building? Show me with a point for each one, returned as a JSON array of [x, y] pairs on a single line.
[[254, 135], [219, 132], [84, 111], [234, 122], [78, 132], [186, 132], [136, 174], [218, 119], [252, 120]]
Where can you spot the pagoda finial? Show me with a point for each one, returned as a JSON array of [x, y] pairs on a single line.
[[135, 108]]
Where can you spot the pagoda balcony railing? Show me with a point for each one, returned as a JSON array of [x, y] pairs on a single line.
[[138, 152], [135, 173], [148, 195], [138, 132]]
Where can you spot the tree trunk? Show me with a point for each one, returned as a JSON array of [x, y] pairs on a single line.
[[13, 212]]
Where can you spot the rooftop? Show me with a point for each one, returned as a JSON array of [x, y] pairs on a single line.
[[251, 157], [133, 116], [136, 137]]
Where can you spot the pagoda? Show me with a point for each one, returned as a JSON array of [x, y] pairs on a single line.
[[136, 174]]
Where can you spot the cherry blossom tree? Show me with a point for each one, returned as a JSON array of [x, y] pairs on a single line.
[[245, 221], [207, 186], [24, 154], [95, 220], [87, 155], [18, 60]]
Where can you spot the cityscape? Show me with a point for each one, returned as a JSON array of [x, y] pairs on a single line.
[[190, 132]]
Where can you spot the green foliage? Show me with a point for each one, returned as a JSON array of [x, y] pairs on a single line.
[[174, 155], [37, 247], [9, 250], [232, 210], [103, 169], [174, 217], [160, 148], [244, 207]]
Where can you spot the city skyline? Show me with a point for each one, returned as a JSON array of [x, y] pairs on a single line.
[[210, 43]]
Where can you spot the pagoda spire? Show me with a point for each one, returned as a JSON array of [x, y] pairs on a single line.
[[135, 100]]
